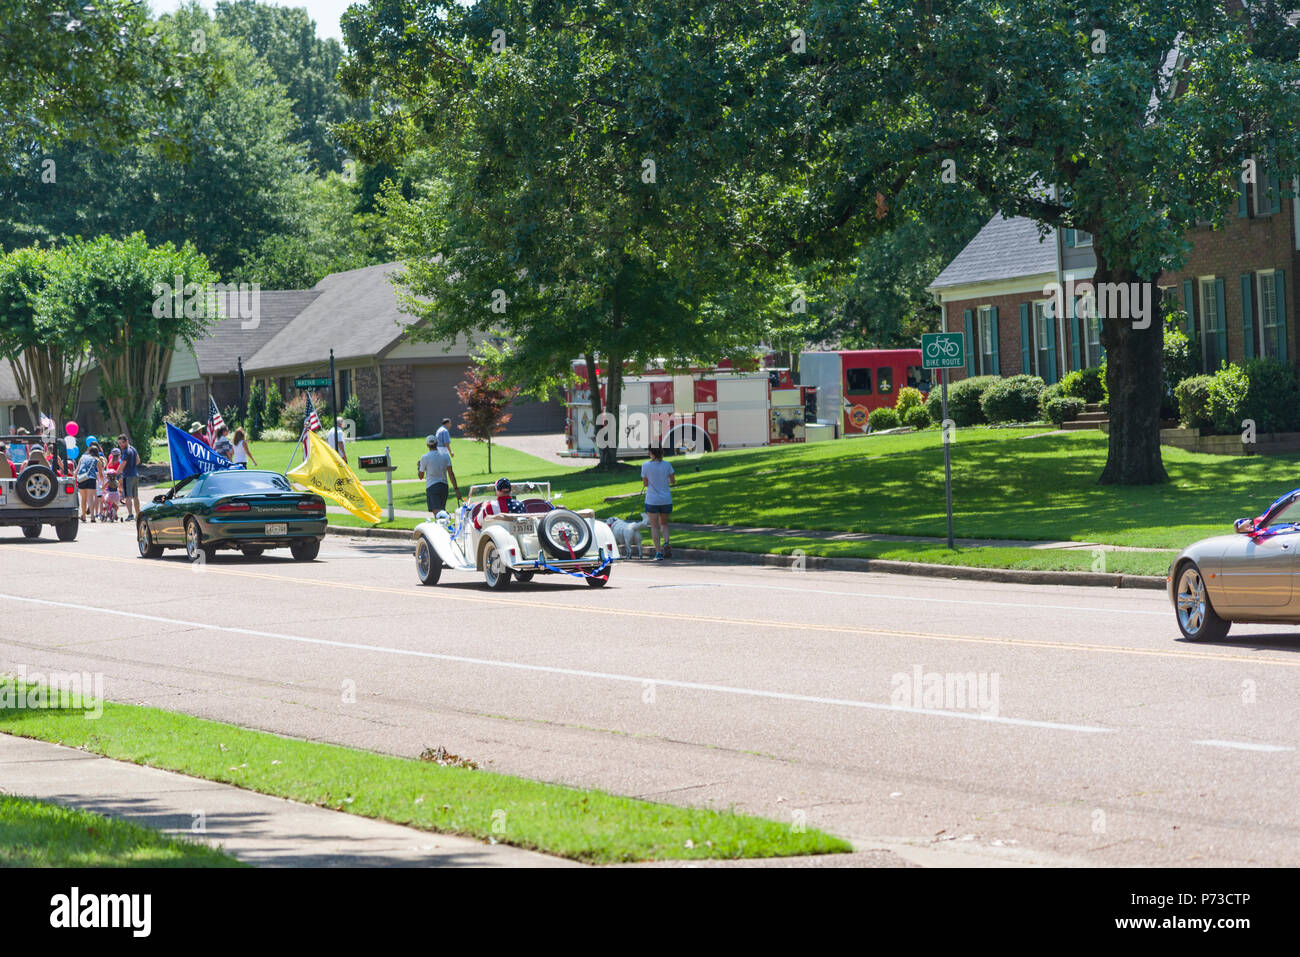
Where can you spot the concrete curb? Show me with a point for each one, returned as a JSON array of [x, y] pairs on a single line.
[[1014, 576]]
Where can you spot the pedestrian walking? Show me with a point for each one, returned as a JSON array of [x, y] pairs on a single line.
[[241, 455], [222, 444], [443, 435], [435, 468], [130, 476], [90, 474], [334, 439], [658, 479]]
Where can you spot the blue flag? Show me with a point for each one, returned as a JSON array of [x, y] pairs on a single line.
[[191, 456]]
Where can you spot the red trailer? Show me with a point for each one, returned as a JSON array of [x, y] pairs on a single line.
[[855, 381]]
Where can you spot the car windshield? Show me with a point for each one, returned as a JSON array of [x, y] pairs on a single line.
[[1286, 515], [520, 490], [238, 481]]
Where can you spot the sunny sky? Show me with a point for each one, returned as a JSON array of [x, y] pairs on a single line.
[[326, 13]]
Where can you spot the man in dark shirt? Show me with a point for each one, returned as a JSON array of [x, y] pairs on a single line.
[[130, 477]]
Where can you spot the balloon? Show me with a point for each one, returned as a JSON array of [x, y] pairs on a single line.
[[71, 443], [90, 440], [71, 428]]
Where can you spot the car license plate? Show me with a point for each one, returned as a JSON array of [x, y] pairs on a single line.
[[280, 529], [520, 528]]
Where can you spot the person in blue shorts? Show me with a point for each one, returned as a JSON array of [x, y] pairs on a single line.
[[658, 478]]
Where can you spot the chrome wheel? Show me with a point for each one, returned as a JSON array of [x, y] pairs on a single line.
[[495, 572], [427, 564], [1197, 619]]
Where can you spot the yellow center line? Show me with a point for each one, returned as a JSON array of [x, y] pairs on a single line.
[[499, 600]]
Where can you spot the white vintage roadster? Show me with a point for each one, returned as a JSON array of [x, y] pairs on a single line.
[[534, 538]]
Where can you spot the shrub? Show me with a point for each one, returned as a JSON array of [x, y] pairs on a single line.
[[294, 414], [908, 399], [181, 418], [881, 419], [963, 401], [918, 417], [1193, 398], [1014, 399], [274, 404], [1062, 408], [352, 410], [278, 435], [256, 408], [1086, 384], [1263, 390], [1176, 365]]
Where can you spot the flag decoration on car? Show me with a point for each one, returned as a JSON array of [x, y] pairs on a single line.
[[326, 474], [189, 456], [215, 421]]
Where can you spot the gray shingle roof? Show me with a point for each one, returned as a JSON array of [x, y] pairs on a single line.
[[1003, 249], [227, 340], [355, 313], [9, 394]]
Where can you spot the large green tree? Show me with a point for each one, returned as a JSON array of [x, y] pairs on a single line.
[[579, 211], [230, 175], [46, 357], [122, 298], [1128, 121], [303, 63]]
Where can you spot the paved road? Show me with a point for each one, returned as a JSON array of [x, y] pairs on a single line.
[[1102, 739]]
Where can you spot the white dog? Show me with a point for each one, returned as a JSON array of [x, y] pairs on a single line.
[[627, 533]]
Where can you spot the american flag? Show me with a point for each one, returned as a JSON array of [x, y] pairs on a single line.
[[215, 421], [312, 420]]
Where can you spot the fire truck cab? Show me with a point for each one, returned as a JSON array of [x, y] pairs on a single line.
[[850, 383]]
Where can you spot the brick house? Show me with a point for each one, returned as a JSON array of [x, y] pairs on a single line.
[[1233, 288], [404, 387]]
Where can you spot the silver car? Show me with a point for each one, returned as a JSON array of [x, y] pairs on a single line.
[[1248, 576]]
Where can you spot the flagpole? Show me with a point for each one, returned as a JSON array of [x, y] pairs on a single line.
[[295, 449]]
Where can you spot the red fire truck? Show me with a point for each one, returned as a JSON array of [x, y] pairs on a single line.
[[698, 410], [851, 383]]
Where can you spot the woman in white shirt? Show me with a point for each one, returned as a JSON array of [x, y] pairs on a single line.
[[241, 455]]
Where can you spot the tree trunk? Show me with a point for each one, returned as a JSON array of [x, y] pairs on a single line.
[[1133, 379], [613, 400]]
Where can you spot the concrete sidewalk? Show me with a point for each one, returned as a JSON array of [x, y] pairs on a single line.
[[255, 828]]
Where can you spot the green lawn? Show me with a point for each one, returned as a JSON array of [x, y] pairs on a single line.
[[38, 834], [1007, 483], [590, 826]]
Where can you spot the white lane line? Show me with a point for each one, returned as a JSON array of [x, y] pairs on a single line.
[[1024, 606], [1244, 746], [568, 672]]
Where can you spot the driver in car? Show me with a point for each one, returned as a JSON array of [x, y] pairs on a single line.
[[505, 504]]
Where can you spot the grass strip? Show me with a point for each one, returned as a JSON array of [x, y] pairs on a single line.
[[42, 834], [590, 826], [1029, 559]]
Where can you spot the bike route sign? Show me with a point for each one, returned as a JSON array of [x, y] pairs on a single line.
[[943, 350]]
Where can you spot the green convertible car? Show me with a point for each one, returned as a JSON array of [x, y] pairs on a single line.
[[247, 510]]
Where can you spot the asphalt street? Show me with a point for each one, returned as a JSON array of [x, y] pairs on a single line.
[[828, 699]]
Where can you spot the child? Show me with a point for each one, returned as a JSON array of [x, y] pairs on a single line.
[[112, 497]]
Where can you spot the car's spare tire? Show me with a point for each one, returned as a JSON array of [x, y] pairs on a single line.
[[564, 533], [37, 485]]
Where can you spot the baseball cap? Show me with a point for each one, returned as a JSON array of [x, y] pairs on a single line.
[[503, 485], [430, 440]]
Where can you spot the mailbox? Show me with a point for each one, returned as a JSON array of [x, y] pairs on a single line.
[[375, 463]]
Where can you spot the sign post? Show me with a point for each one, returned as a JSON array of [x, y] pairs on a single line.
[[943, 351]]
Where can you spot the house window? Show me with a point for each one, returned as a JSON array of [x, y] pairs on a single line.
[[1042, 339], [1211, 325], [1269, 322], [885, 381], [857, 382], [1091, 342], [345, 387], [1264, 191], [187, 397], [1081, 238], [986, 340]]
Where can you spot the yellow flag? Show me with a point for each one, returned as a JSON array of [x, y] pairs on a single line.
[[327, 474]]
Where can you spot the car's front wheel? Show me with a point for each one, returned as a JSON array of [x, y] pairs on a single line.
[[1197, 619], [427, 563], [495, 572]]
